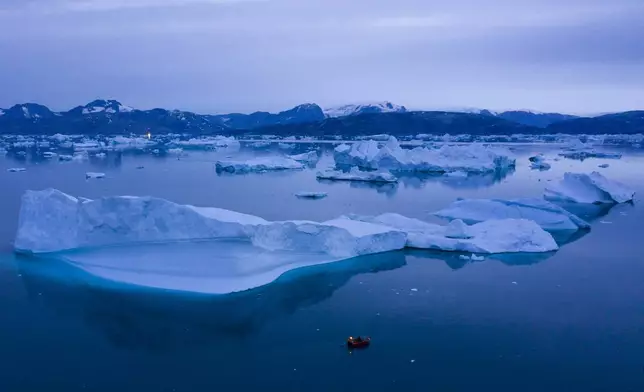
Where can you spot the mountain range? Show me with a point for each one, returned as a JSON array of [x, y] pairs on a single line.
[[112, 117]]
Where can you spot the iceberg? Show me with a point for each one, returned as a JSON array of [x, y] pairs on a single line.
[[548, 216], [95, 175], [340, 237], [310, 157], [16, 169], [260, 164], [472, 158], [491, 236], [49, 154], [64, 157], [356, 174], [52, 221], [101, 155], [591, 188], [311, 195], [539, 162]]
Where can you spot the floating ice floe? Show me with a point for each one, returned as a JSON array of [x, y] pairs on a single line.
[[285, 146], [311, 195], [16, 169], [549, 216], [64, 157], [604, 165], [591, 188], [259, 144], [307, 157], [52, 221], [260, 164], [49, 154], [539, 162], [101, 155], [580, 150], [491, 236], [209, 142], [175, 151], [94, 175], [356, 174], [474, 158]]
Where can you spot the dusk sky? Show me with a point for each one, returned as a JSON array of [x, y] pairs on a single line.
[[209, 56]]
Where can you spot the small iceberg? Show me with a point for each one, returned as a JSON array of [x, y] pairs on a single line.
[[311, 195], [49, 154], [356, 174], [101, 155], [492, 236], [310, 157], [261, 164], [547, 215], [65, 158], [591, 188], [471, 158], [580, 151], [16, 169], [603, 165], [538, 162], [94, 175]]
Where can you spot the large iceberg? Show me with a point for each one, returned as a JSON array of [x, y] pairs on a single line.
[[260, 164], [52, 221], [356, 174], [492, 236], [549, 216], [473, 158], [591, 188]]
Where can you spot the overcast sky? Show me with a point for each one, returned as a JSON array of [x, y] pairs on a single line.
[[215, 56]]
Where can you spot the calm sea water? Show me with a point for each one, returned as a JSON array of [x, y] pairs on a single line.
[[568, 321]]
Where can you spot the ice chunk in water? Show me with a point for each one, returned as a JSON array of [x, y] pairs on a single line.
[[260, 164], [356, 174], [549, 216], [591, 188]]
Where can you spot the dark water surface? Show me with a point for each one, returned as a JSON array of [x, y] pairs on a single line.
[[568, 321]]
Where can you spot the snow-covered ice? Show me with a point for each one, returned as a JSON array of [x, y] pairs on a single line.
[[549, 216], [491, 236], [340, 237], [591, 188], [95, 175], [51, 221], [356, 174], [310, 157], [311, 195], [474, 158], [259, 164]]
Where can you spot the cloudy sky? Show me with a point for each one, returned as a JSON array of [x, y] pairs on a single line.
[[578, 56]]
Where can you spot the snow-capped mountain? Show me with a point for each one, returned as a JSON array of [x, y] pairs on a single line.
[[374, 107], [102, 106], [27, 111]]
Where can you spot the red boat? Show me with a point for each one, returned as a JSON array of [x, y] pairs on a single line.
[[358, 342]]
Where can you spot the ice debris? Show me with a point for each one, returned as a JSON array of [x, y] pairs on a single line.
[[95, 175], [260, 164], [549, 216], [311, 195], [473, 158], [16, 169], [539, 162], [307, 157], [604, 165], [356, 174], [591, 188]]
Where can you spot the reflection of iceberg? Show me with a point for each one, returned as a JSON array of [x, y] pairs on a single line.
[[159, 322], [260, 164], [467, 181], [455, 262]]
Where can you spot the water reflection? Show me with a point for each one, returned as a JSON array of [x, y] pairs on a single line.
[[455, 262], [152, 320], [386, 188], [465, 181]]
